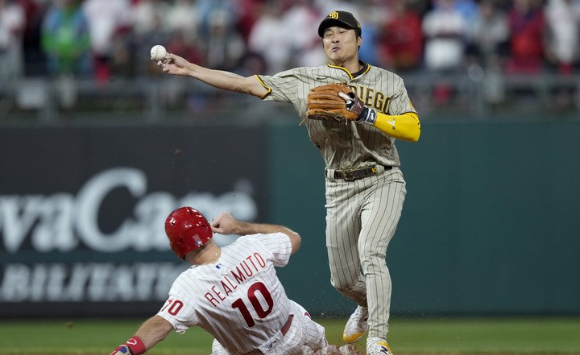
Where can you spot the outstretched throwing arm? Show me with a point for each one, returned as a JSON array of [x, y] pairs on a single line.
[[176, 65]]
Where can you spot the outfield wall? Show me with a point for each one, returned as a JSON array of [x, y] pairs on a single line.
[[490, 223], [82, 211]]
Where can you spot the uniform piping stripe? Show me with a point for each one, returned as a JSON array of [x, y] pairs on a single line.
[[264, 85], [341, 68]]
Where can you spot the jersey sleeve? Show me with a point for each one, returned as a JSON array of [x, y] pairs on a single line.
[[179, 309], [279, 245], [282, 87], [401, 103]]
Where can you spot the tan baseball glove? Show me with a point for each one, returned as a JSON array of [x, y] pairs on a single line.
[[333, 102]]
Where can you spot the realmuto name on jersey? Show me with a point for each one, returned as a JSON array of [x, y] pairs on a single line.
[[238, 275]]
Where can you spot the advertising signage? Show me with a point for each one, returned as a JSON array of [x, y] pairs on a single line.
[[82, 211]]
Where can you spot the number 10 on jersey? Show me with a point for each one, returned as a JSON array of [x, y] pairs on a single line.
[[241, 306]]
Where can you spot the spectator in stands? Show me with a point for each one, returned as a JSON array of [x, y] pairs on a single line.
[[185, 46], [107, 18], [526, 24], [148, 16], [490, 35], [305, 43], [468, 9], [270, 40], [183, 17], [352, 6], [371, 17], [12, 24], [563, 25], [247, 12], [224, 45], [487, 49], [420, 6], [207, 7], [445, 30], [124, 56], [401, 43], [66, 39], [504, 6], [183, 23], [148, 23], [250, 64], [34, 60]]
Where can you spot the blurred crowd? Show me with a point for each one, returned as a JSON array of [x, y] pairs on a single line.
[[103, 39]]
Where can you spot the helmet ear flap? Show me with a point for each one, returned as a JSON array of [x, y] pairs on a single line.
[[187, 230], [176, 247]]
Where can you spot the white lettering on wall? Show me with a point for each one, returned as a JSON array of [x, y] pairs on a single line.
[[91, 196], [93, 282], [61, 221]]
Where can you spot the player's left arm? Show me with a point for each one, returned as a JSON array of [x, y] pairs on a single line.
[[151, 332], [406, 126]]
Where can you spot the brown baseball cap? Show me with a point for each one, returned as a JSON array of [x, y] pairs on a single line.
[[340, 19]]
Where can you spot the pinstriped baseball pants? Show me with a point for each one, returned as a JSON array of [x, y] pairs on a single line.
[[361, 220], [305, 336]]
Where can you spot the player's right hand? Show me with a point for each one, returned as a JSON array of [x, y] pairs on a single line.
[[224, 224], [174, 64]]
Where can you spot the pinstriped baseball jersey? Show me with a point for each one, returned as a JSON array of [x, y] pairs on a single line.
[[238, 299], [345, 145], [361, 215]]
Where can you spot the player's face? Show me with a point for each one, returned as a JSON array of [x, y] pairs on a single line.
[[341, 45]]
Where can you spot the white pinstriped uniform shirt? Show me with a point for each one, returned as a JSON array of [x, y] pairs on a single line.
[[238, 299]]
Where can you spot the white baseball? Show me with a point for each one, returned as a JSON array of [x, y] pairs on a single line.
[[158, 52]]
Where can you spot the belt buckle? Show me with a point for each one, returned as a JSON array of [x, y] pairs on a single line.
[[349, 174]]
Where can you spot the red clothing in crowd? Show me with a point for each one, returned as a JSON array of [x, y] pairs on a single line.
[[401, 43], [526, 43]]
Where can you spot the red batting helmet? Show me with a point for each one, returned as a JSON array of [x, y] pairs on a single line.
[[187, 230]]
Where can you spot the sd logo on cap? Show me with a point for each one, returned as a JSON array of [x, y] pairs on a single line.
[[340, 19]]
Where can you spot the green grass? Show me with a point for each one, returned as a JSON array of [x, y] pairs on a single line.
[[418, 336], [533, 335]]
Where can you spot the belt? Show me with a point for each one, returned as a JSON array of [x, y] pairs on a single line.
[[358, 173], [287, 325], [284, 330]]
